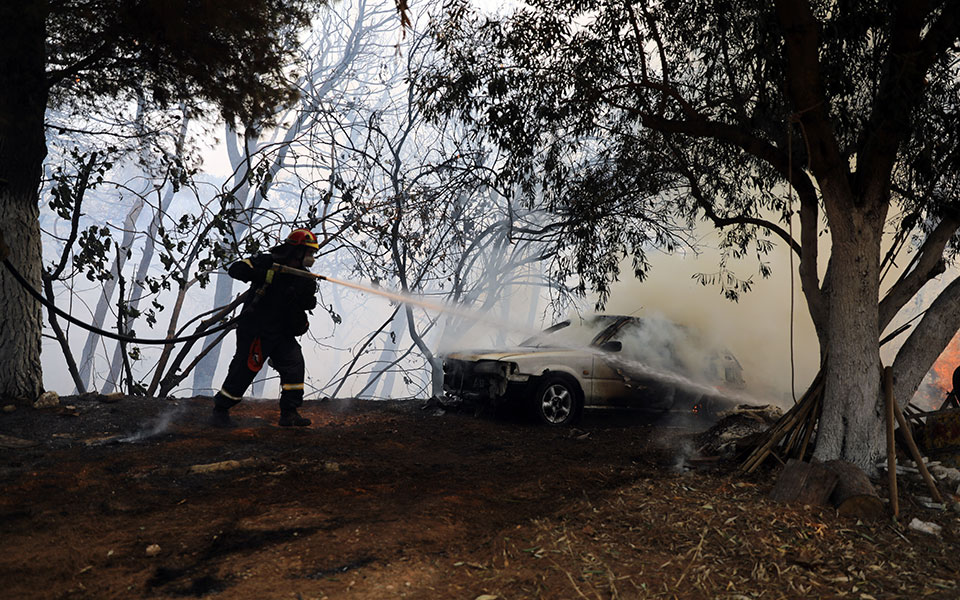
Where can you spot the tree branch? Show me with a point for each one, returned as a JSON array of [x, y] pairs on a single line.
[[929, 264], [55, 77], [928, 339], [61, 337], [83, 181], [901, 90], [805, 88], [809, 258], [719, 222]]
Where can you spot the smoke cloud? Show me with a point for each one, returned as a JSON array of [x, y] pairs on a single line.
[[756, 329]]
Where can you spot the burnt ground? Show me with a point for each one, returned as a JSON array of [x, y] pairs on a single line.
[[385, 500]]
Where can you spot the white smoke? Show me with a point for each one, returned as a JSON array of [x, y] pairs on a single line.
[[755, 330], [159, 424]]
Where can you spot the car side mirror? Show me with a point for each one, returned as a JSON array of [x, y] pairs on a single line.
[[614, 346]]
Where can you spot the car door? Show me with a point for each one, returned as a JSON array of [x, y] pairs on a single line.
[[622, 378]]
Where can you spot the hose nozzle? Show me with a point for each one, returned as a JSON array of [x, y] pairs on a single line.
[[298, 272]]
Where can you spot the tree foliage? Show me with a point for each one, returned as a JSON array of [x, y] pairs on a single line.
[[633, 116], [235, 55]]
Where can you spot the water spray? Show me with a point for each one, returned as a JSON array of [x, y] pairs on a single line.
[[406, 298]]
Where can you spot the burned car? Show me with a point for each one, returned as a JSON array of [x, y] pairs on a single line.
[[604, 361]]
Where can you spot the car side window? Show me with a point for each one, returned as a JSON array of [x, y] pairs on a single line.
[[647, 346], [629, 336]]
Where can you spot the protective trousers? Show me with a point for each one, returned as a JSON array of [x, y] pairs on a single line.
[[253, 350]]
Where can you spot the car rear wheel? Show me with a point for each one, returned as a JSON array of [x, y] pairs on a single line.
[[558, 401]]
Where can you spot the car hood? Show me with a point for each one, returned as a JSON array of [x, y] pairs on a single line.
[[513, 354]]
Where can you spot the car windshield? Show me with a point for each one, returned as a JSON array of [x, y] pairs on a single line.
[[571, 334]]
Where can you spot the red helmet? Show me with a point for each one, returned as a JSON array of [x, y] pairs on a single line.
[[303, 237]]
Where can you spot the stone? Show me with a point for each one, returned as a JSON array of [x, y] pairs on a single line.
[[925, 527], [949, 474], [153, 549], [47, 400]]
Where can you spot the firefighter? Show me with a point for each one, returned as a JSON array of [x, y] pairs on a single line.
[[274, 314]]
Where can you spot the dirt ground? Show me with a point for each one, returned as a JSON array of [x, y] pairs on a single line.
[[139, 499]]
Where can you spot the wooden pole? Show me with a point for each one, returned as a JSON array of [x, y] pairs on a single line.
[[915, 452], [891, 445]]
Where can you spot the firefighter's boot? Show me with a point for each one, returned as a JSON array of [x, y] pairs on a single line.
[[289, 417], [220, 417]]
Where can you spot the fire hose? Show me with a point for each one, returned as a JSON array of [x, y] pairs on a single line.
[[109, 334], [401, 297], [4, 254]]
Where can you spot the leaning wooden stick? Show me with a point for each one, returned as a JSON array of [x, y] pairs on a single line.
[[794, 418], [915, 452], [891, 446]]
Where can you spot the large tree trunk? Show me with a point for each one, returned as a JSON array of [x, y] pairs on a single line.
[[851, 426], [21, 377], [23, 100]]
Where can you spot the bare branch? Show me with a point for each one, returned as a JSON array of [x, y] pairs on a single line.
[[928, 339], [929, 264]]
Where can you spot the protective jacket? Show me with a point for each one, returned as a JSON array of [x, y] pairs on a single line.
[[277, 302], [275, 313]]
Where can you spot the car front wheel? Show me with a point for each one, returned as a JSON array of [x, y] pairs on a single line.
[[557, 401]]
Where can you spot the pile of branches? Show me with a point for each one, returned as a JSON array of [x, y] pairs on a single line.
[[790, 436]]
